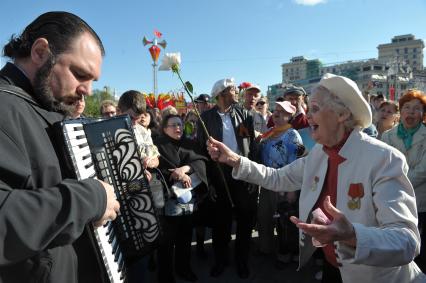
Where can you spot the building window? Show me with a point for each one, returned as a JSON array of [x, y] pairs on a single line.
[[397, 51], [414, 50], [405, 50], [414, 56]]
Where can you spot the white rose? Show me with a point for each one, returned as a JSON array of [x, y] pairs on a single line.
[[170, 61]]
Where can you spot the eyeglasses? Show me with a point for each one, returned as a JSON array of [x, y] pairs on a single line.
[[260, 103], [175, 125]]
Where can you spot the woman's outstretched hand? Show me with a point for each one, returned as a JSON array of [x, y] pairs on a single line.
[[340, 229], [220, 152]]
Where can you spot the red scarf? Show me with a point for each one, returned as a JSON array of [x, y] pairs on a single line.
[[330, 189]]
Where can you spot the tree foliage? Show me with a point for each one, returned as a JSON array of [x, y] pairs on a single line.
[[93, 102]]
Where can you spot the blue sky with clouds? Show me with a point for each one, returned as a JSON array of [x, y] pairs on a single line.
[[244, 39]]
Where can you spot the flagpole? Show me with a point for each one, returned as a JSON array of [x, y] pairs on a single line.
[[154, 71]]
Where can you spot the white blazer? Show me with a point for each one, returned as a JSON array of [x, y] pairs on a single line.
[[385, 222]]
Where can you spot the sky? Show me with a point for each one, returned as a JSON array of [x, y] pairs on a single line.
[[244, 39]]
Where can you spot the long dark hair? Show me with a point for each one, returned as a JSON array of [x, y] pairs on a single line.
[[58, 28]]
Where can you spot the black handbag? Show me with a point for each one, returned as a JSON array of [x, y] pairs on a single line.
[[159, 188]]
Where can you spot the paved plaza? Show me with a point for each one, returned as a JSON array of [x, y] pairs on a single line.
[[262, 269]]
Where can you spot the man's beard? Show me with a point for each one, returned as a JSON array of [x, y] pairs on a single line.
[[43, 92]]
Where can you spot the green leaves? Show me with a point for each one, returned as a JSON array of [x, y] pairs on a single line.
[[189, 86]]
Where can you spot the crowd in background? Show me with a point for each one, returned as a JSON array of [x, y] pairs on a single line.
[[341, 177], [276, 138]]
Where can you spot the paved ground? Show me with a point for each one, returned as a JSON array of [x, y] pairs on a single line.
[[262, 270]]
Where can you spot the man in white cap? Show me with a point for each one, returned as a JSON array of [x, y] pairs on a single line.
[[356, 201], [229, 123]]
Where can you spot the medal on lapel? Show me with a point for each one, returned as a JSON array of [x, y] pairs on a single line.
[[315, 183], [356, 192]]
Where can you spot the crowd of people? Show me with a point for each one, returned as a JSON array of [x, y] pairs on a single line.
[[336, 176]]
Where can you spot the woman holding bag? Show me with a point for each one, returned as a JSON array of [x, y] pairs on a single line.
[[181, 165]]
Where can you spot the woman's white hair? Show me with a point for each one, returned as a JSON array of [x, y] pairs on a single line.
[[329, 100]]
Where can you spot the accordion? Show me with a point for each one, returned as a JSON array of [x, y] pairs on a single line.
[[107, 149]]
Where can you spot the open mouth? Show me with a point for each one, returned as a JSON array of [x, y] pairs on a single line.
[[410, 120]]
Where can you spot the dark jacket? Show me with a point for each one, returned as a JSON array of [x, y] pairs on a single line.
[[243, 128], [177, 153], [41, 213], [242, 122]]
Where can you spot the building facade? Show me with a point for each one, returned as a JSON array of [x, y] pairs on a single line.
[[399, 66], [300, 68], [405, 49]]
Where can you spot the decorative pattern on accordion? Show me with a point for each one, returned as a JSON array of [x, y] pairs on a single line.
[[138, 198]]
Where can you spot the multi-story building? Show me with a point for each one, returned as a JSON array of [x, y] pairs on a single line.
[[371, 77], [348, 69], [399, 66], [405, 49], [419, 80], [300, 68]]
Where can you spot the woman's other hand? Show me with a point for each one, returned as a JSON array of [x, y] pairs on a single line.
[[340, 229]]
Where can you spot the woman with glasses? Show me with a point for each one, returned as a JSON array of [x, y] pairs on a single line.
[[409, 137], [182, 167]]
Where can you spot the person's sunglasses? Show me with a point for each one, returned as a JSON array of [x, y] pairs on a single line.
[[260, 103]]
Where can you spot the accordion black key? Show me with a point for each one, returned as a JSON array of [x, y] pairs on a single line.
[[107, 149]]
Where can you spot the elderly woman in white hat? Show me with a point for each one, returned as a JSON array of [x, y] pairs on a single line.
[[356, 201]]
